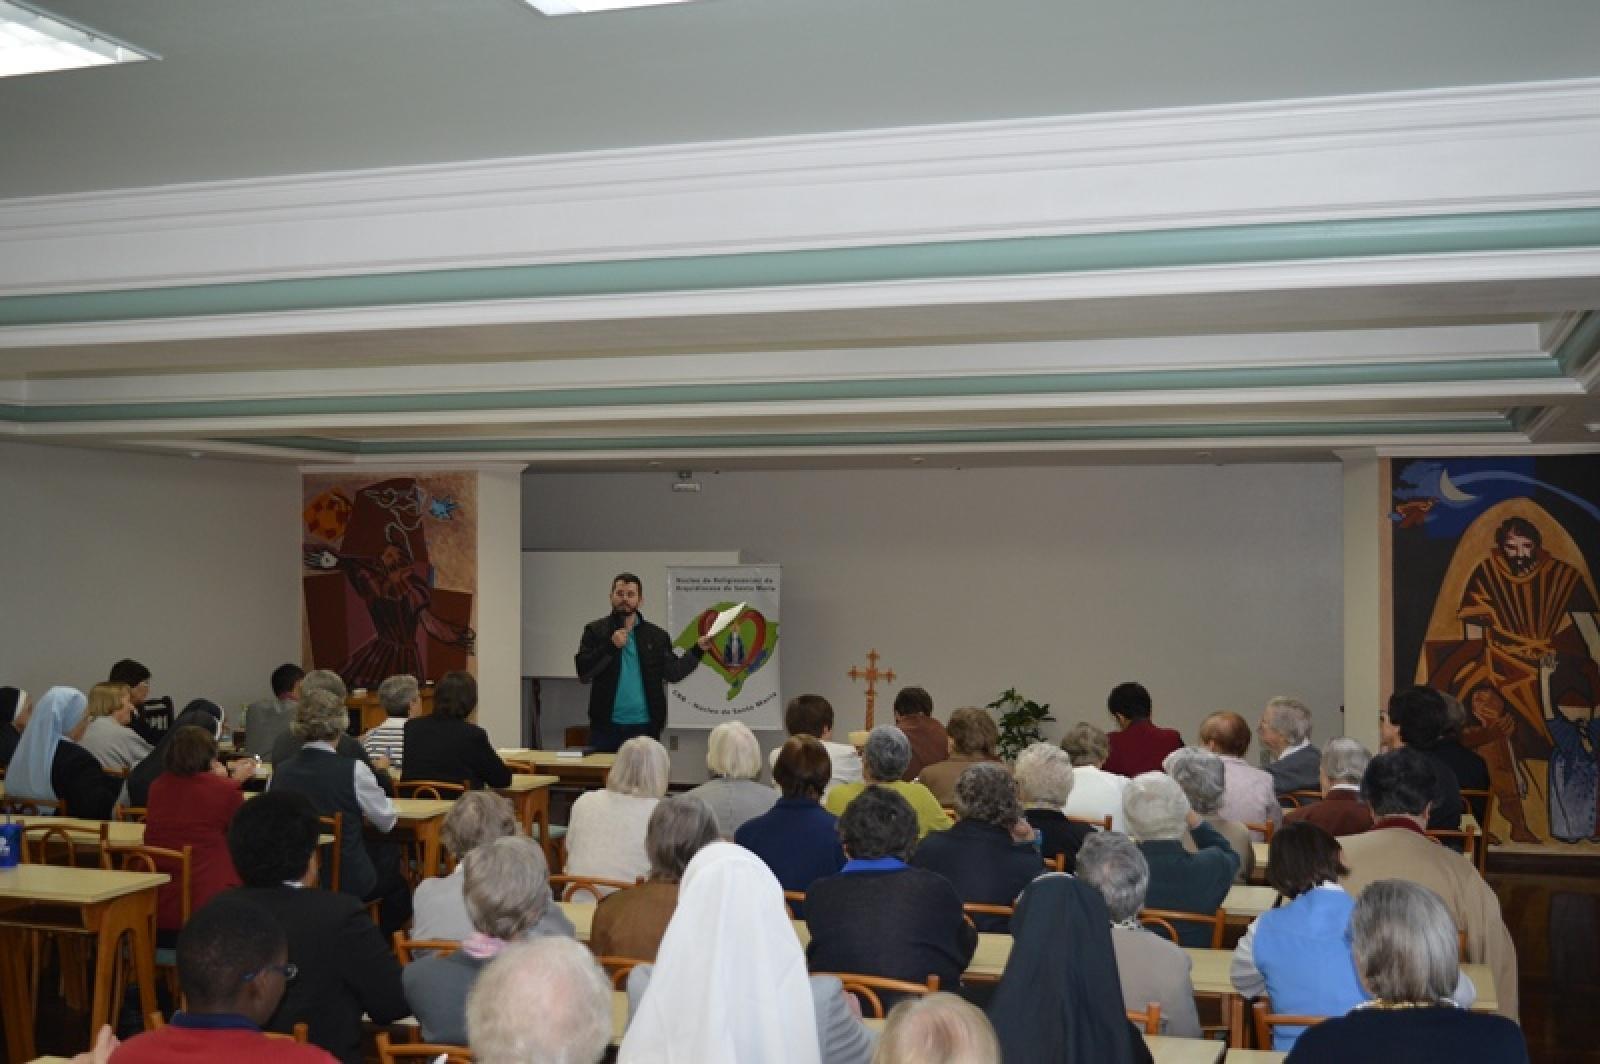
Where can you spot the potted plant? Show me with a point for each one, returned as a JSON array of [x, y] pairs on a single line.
[[1019, 720]]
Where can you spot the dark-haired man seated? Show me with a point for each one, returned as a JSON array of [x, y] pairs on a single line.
[[267, 721], [344, 966], [233, 965]]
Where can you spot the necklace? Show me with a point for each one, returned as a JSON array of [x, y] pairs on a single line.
[[1378, 1003]]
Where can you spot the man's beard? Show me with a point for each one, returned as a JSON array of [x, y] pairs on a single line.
[[1519, 565]]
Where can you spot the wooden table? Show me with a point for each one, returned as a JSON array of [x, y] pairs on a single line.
[[104, 904], [421, 818], [1245, 902], [588, 772], [531, 797], [1254, 1056]]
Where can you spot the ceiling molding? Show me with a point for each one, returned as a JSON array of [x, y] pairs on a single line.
[[1436, 151]]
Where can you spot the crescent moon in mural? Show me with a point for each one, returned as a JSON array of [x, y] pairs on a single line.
[[1448, 490]]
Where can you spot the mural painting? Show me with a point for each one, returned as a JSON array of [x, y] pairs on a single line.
[[1494, 602], [389, 571]]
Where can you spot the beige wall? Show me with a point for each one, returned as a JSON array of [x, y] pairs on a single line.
[[499, 618]]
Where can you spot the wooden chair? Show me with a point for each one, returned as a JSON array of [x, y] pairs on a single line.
[[1058, 863], [333, 825], [571, 885], [1264, 829], [1266, 1020], [433, 790], [619, 967], [575, 737], [19, 806], [389, 1053], [1103, 823], [130, 814], [1468, 837], [1148, 1021], [865, 988], [154, 1021], [406, 948], [179, 864], [791, 898], [1483, 800], [950, 811], [978, 908], [1167, 919], [75, 846], [1296, 799]]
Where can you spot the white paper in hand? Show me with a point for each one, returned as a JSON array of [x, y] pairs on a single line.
[[725, 620]]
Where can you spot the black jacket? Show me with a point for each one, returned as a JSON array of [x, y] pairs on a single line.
[[82, 784], [599, 663], [451, 751], [289, 744], [905, 924], [984, 863], [1059, 835], [345, 967]]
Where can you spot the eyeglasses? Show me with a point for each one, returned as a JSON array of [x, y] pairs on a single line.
[[288, 971]]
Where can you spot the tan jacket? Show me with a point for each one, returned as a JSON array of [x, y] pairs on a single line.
[[1398, 853]]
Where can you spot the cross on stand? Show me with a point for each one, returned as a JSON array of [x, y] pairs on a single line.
[[872, 675]]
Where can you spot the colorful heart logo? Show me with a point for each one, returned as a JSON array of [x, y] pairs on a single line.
[[753, 646]]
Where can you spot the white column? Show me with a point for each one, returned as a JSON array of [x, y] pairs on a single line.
[[1366, 594], [499, 620]]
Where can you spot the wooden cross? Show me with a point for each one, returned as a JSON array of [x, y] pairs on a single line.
[[872, 675]]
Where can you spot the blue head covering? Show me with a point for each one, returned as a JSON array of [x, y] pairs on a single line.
[[55, 714]]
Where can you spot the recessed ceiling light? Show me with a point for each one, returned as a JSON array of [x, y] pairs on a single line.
[[585, 7], [33, 41]]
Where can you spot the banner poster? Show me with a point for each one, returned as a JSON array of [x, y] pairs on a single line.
[[738, 678]]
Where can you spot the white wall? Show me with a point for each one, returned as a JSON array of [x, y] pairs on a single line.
[[189, 566], [1215, 586]]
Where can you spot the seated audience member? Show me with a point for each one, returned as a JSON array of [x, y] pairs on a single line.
[[883, 762], [1151, 968], [200, 713], [339, 786], [797, 838], [937, 1029], [974, 739], [1298, 953], [233, 966], [1188, 882], [137, 678], [813, 715], [347, 745], [630, 923], [980, 855], [1199, 773], [1416, 717], [729, 983], [401, 699], [1405, 949], [1399, 786], [267, 721], [1248, 794], [1285, 730], [1341, 811], [1096, 793], [15, 709], [913, 715], [732, 794], [191, 804], [1137, 745], [475, 819], [445, 745], [1471, 770], [545, 1000], [880, 916], [1058, 999], [50, 765], [1044, 782], [606, 830], [109, 737], [345, 967], [507, 892]]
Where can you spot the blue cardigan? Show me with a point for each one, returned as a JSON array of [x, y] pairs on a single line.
[[1303, 953]]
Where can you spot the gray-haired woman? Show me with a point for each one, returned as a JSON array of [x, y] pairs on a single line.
[[981, 856], [1200, 773]]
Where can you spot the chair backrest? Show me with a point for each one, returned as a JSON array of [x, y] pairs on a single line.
[[176, 863], [388, 1052], [432, 790], [301, 1032], [1296, 799], [1101, 822], [1148, 1021], [73, 845], [1264, 829], [1166, 919], [130, 814], [1481, 802], [406, 948], [1467, 836], [950, 811], [1058, 863], [1266, 1020], [19, 806], [791, 898], [865, 988], [569, 886], [978, 908], [333, 825], [619, 967]]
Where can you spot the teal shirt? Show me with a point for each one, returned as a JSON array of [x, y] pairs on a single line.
[[629, 706]]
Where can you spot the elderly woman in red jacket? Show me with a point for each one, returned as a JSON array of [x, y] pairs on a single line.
[[191, 804]]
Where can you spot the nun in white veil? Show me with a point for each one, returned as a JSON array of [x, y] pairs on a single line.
[[729, 985]]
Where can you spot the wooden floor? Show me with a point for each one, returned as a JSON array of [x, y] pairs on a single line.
[[1554, 916]]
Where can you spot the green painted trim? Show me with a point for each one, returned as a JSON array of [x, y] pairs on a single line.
[[1265, 431], [1581, 345], [1533, 367], [1019, 256]]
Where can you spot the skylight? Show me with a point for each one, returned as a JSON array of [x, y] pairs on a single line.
[[584, 7], [32, 41]]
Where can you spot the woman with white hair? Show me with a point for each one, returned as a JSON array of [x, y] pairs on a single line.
[[937, 1027], [732, 794], [507, 890], [730, 985], [1157, 813], [544, 1000], [1150, 967], [606, 830], [1407, 956], [1044, 783], [1201, 775], [883, 762]]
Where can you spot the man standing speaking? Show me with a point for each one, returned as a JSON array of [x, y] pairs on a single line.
[[626, 660]]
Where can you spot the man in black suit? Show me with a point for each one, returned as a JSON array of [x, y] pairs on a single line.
[[345, 967], [627, 661]]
